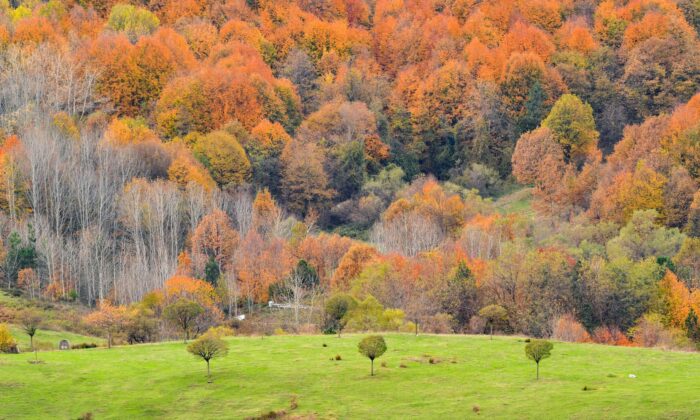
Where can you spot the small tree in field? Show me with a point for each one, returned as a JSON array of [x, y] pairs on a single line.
[[337, 309], [183, 312], [372, 347], [494, 315], [537, 350], [30, 321], [208, 346]]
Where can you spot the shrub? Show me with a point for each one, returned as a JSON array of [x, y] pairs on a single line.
[[279, 331], [439, 324], [309, 329], [611, 336], [650, 331], [7, 342], [83, 346], [496, 317], [408, 327], [392, 319], [366, 316], [337, 309], [477, 324], [221, 331], [566, 328], [338, 358]]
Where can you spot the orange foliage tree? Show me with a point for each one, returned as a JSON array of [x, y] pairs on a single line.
[[260, 263], [214, 240], [108, 319], [352, 263]]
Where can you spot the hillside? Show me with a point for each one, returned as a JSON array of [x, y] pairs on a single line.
[[59, 322], [189, 169], [264, 374]]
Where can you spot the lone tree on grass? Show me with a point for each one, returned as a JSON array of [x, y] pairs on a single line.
[[372, 346], [183, 312], [337, 309], [538, 350], [494, 315], [30, 321], [208, 346]]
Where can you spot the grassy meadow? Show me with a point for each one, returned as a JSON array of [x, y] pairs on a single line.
[[469, 376]]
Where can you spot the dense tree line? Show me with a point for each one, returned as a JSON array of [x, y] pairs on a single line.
[[290, 150]]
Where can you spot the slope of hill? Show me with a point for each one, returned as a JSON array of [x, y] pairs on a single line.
[[468, 376], [60, 321]]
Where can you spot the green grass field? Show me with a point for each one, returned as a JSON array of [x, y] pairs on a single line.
[[260, 375], [518, 202]]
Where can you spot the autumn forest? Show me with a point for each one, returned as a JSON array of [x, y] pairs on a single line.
[[450, 166]]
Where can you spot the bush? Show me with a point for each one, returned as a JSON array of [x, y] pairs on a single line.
[[309, 329], [567, 328], [279, 331], [366, 316], [650, 331], [141, 327], [392, 319], [610, 336], [83, 346], [439, 324], [408, 327], [7, 342], [221, 331], [482, 178], [477, 324]]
